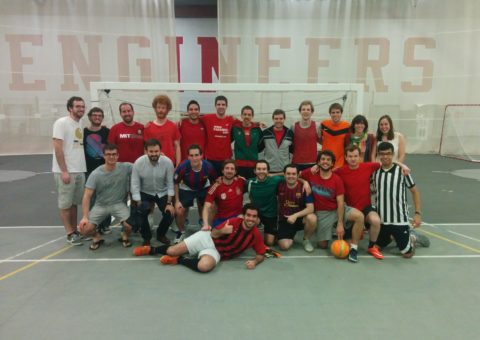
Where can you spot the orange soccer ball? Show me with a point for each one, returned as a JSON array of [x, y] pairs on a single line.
[[339, 249]]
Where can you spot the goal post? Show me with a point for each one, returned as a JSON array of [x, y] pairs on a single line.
[[460, 136], [264, 98]]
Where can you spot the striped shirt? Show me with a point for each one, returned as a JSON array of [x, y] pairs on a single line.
[[232, 245], [190, 179], [391, 200]]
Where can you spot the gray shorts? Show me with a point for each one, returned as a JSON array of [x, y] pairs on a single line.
[[71, 193], [327, 222], [200, 244], [119, 211]]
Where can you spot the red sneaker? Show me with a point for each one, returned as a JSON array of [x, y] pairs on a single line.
[[167, 259], [141, 251], [375, 252]]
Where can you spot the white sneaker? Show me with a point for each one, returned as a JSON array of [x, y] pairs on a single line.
[[179, 237], [307, 245]]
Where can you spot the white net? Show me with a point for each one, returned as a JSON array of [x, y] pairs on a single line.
[[264, 99], [461, 132]]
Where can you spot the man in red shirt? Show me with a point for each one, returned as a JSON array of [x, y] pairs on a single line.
[[164, 130], [305, 137], [229, 240], [192, 130], [218, 134], [127, 135], [356, 179], [328, 193], [227, 194]]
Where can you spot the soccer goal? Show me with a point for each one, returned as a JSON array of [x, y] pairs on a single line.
[[264, 98], [460, 136]]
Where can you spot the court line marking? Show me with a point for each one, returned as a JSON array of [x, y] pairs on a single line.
[[459, 244], [465, 236], [453, 224], [32, 249], [156, 259], [35, 262]]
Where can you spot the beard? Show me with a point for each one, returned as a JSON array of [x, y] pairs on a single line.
[[153, 158]]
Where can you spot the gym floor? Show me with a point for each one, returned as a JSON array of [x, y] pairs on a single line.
[[51, 290]]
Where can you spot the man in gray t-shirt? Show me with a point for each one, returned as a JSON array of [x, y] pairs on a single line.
[[110, 182]]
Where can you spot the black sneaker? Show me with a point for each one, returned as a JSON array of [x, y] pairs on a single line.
[[352, 255]]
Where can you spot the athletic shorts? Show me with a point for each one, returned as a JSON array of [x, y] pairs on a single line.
[[327, 222], [188, 196], [400, 233], [200, 244], [367, 210], [71, 193], [287, 230], [119, 211], [270, 225]]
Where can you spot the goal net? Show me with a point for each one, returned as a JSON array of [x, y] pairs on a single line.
[[264, 98], [460, 136]]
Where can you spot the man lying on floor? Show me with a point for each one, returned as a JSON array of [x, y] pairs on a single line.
[[228, 240]]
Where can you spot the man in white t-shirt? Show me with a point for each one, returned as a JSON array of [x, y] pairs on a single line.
[[69, 166]]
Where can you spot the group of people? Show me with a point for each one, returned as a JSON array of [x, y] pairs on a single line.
[[290, 185]]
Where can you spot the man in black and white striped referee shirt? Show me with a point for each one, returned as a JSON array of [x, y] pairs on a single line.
[[391, 203]]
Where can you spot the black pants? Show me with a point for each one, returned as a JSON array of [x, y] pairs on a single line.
[[140, 216]]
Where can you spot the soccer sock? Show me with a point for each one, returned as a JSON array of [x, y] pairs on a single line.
[[188, 262], [371, 244], [159, 250], [354, 246]]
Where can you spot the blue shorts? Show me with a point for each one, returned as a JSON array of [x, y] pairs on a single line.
[[188, 196]]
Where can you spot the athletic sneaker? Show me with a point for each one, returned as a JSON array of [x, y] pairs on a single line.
[[179, 237], [307, 245], [167, 259], [420, 238], [141, 251], [74, 239], [375, 252], [353, 255]]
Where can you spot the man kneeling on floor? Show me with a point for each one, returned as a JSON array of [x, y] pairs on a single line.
[[110, 182], [226, 241]]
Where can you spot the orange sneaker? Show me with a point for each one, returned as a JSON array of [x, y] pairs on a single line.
[[375, 252], [167, 259], [141, 251]]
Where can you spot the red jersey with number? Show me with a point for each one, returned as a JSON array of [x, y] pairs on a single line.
[[228, 197], [218, 137], [325, 191], [166, 134], [128, 139], [235, 243], [357, 184]]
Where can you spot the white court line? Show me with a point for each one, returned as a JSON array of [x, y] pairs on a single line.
[[238, 258], [465, 236], [33, 227], [452, 224], [31, 249]]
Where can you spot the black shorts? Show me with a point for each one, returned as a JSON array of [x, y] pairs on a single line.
[[187, 197], [287, 230], [269, 225], [367, 210], [400, 233]]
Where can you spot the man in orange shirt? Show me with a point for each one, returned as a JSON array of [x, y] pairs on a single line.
[[333, 132]]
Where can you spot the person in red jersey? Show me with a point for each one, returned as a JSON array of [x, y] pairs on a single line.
[[328, 193], [229, 240], [356, 179], [192, 130], [305, 137], [164, 130], [218, 134], [227, 194], [127, 135], [333, 132]]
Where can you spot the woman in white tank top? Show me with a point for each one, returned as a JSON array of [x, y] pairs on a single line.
[[386, 133]]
